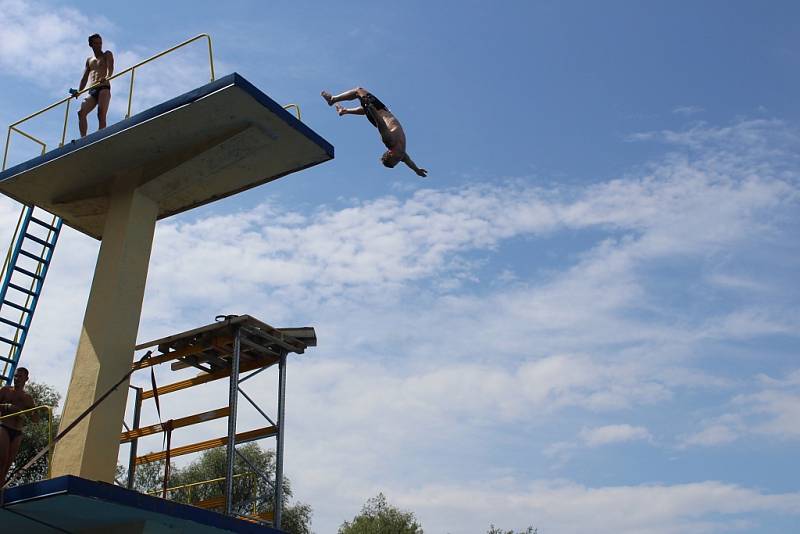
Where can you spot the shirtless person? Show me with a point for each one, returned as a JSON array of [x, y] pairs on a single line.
[[98, 69], [387, 124], [12, 400]]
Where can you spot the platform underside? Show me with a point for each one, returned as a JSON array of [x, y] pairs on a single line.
[[207, 144], [72, 504]]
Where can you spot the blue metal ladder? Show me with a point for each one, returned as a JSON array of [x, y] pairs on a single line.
[[23, 277]]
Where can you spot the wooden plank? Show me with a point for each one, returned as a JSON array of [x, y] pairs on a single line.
[[176, 423], [221, 325], [213, 502], [260, 516], [252, 345], [174, 355], [243, 437], [276, 337], [194, 360], [244, 366], [304, 334]]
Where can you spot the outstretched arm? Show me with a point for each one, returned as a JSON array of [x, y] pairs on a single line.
[[413, 166]]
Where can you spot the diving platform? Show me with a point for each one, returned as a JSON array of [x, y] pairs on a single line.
[[212, 142], [217, 140], [72, 504]]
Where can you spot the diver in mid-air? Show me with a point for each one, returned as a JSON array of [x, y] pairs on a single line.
[[387, 124]]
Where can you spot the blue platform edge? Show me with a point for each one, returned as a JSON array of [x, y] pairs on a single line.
[[182, 100], [72, 485]]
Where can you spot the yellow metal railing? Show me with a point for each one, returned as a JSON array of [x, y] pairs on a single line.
[[68, 99], [296, 109], [188, 487], [15, 128], [49, 430]]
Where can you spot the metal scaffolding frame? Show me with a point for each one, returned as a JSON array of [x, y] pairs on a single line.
[[227, 348]]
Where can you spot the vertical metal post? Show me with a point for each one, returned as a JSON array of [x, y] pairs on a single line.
[[130, 93], [66, 120], [5, 153], [137, 412], [279, 453], [233, 396]]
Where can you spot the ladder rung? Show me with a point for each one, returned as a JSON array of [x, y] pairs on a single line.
[[40, 241], [46, 225], [14, 343], [22, 289], [27, 272], [12, 324], [32, 256], [17, 306]]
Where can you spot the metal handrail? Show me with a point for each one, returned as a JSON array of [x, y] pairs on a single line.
[[86, 89], [296, 107], [49, 430], [193, 484]]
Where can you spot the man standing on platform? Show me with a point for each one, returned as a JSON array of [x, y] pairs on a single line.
[[12, 400], [99, 69], [388, 126]]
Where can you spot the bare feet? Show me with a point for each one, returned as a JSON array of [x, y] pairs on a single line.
[[328, 98], [340, 110]]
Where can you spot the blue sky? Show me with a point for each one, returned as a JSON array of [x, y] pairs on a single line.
[[587, 313]]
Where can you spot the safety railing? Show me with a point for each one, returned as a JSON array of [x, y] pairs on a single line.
[[188, 488], [67, 100], [49, 430], [296, 108], [132, 70]]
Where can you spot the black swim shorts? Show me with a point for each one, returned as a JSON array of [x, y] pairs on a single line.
[[371, 105], [94, 92]]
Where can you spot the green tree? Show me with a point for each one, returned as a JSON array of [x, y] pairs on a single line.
[[379, 517], [494, 530], [35, 434], [250, 493], [149, 477]]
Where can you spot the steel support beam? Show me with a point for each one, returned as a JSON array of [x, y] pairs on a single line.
[[137, 413], [281, 432], [233, 397]]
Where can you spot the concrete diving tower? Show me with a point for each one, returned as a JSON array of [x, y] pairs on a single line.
[[215, 141]]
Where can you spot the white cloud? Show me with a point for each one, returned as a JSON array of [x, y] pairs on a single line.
[[714, 434], [773, 411], [604, 435], [52, 39], [566, 507], [405, 352], [687, 110]]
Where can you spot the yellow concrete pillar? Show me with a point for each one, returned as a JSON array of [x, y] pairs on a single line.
[[108, 337]]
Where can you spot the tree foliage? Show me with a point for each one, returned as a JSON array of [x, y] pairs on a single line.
[[379, 517], [35, 433], [494, 530], [251, 493]]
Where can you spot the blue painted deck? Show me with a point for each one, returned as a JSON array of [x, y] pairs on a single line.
[[72, 504], [234, 79]]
